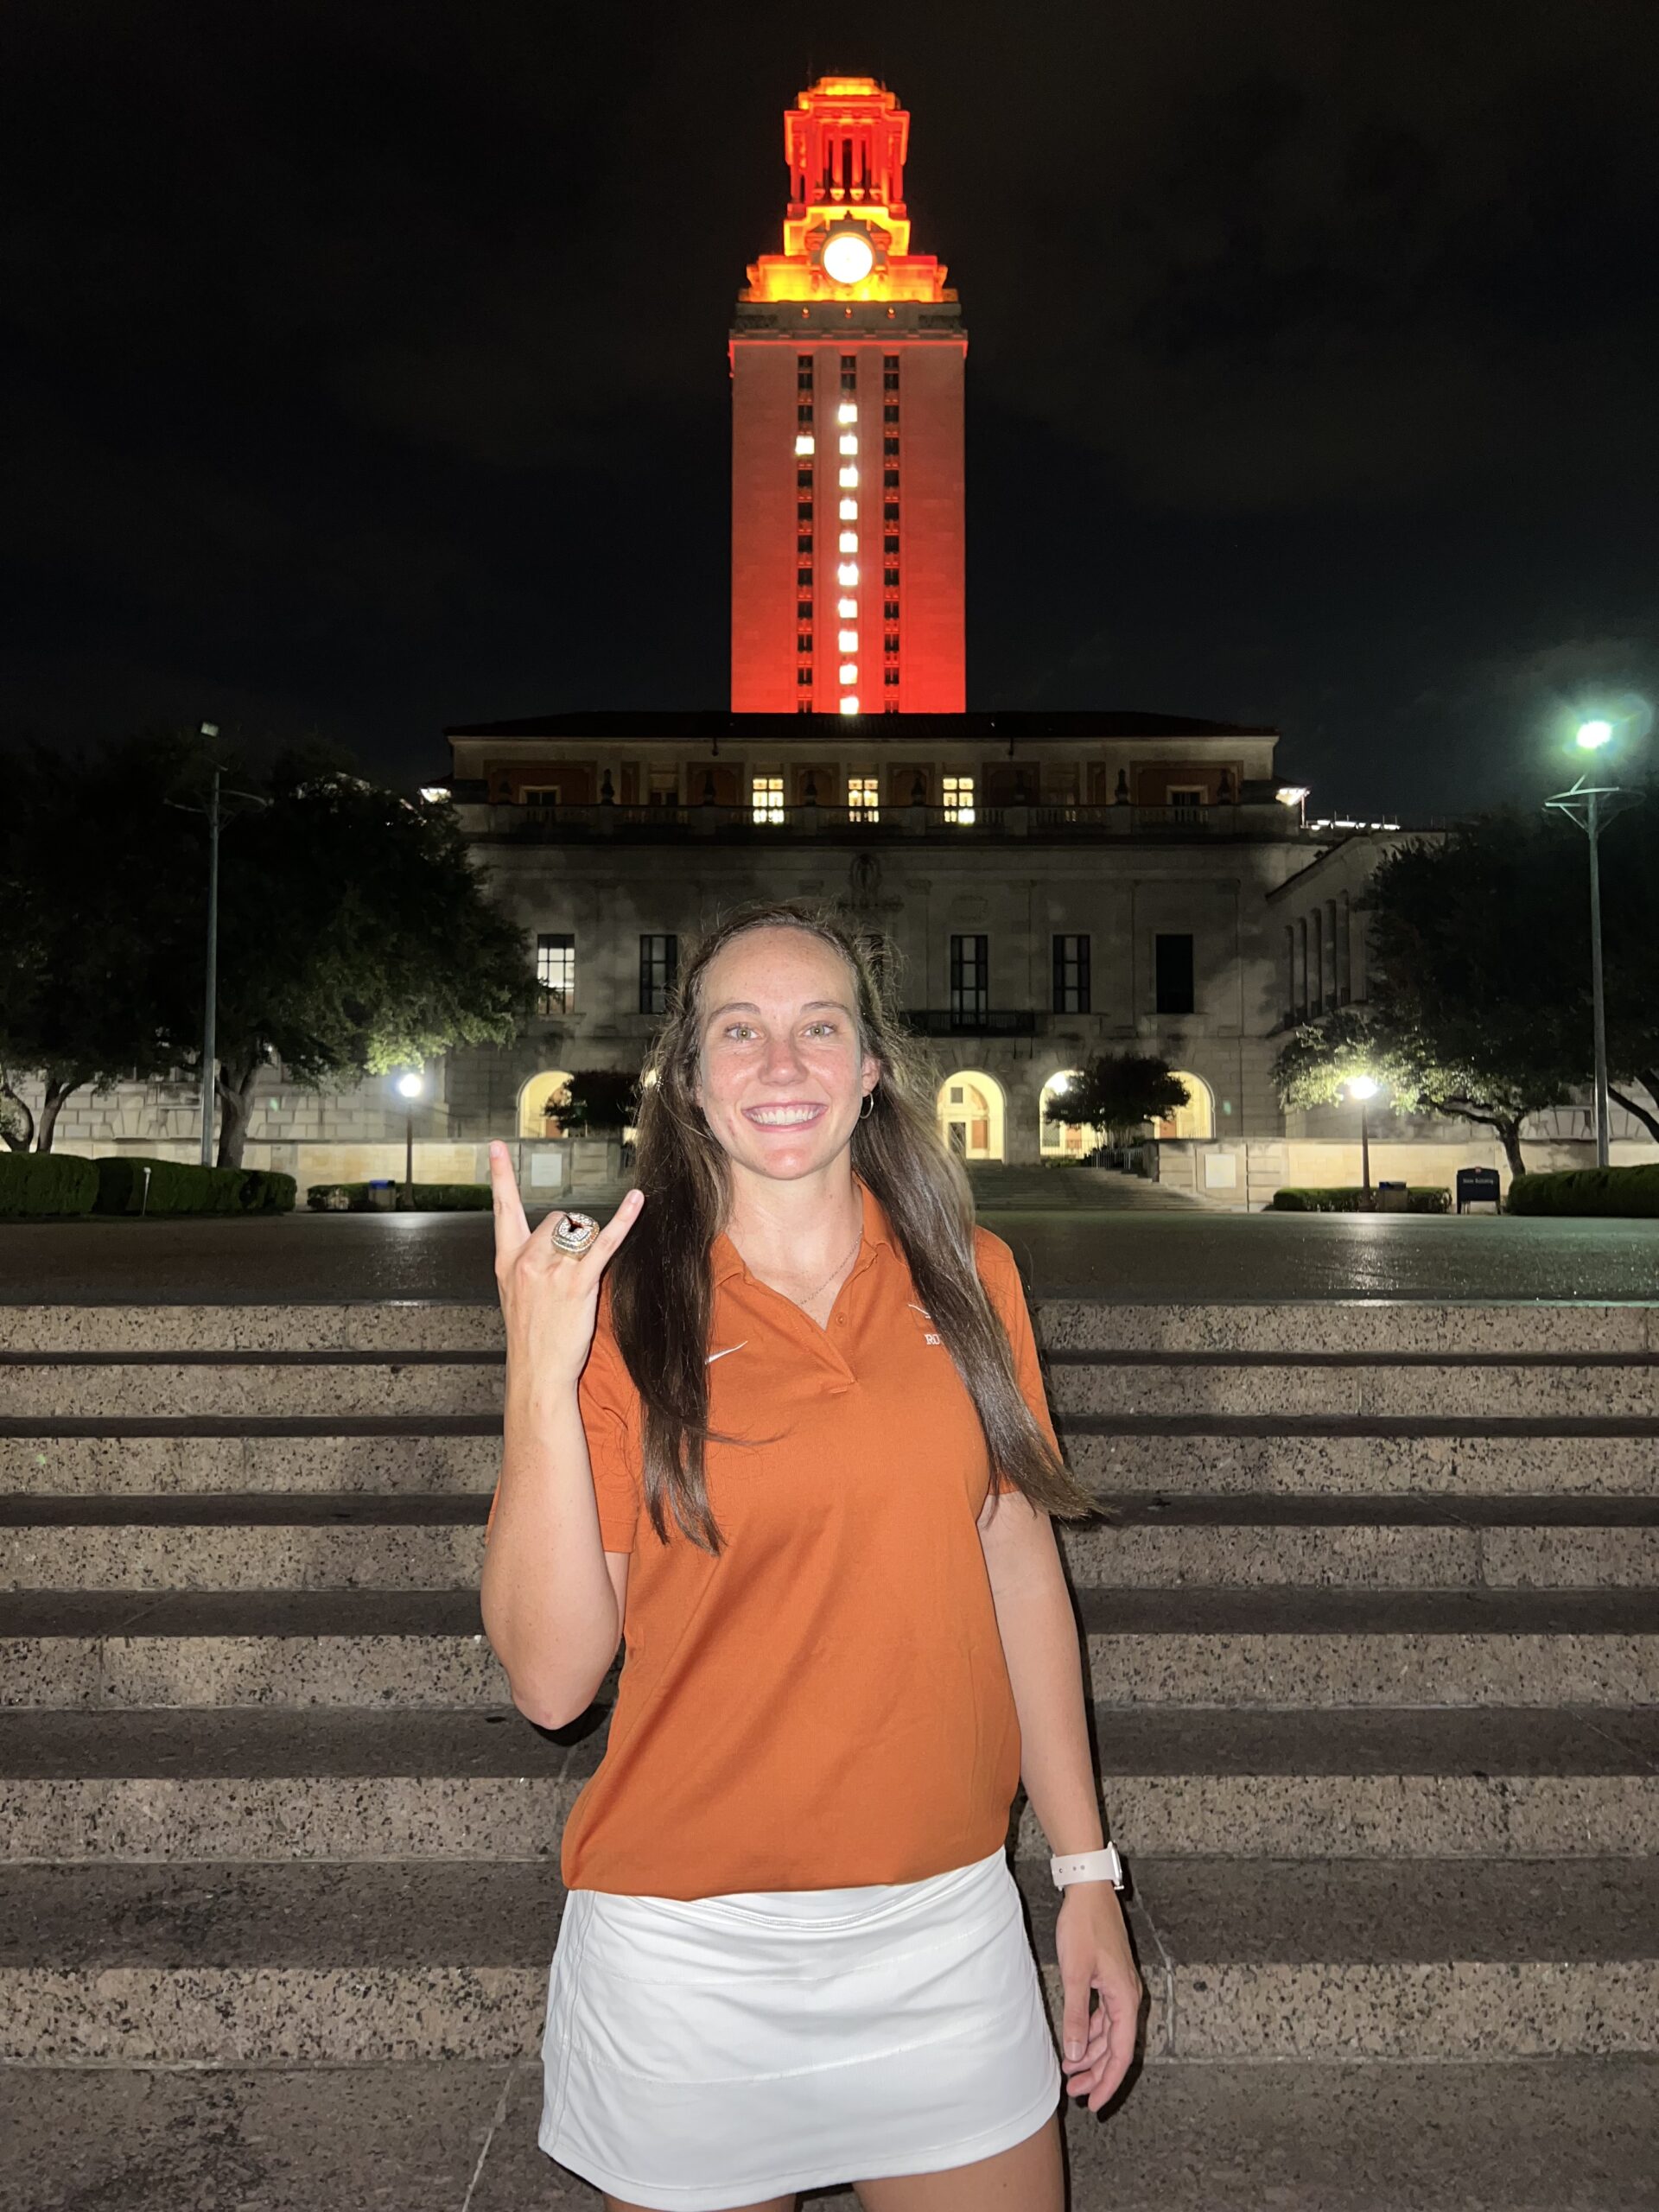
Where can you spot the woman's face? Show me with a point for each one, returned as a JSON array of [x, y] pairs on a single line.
[[781, 1080]]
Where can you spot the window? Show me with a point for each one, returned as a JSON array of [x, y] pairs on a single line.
[[665, 787], [556, 970], [1172, 960], [804, 544], [969, 978], [959, 800], [1072, 975], [890, 544], [804, 512], [890, 671], [890, 446], [849, 361], [862, 794], [803, 579], [890, 414], [890, 478], [804, 610], [766, 797], [1186, 799], [803, 479], [659, 966], [540, 794], [890, 578], [890, 513], [803, 672]]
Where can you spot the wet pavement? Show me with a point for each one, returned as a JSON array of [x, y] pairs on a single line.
[[1074, 1231]]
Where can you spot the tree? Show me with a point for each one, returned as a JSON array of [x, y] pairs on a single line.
[[596, 1100], [1118, 1092], [355, 935], [1478, 962], [1319, 1056]]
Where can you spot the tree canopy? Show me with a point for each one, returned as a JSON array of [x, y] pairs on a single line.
[[355, 936]]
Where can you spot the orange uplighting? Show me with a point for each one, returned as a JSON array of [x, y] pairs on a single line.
[[844, 141]]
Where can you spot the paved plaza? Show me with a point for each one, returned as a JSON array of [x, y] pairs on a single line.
[[1074, 1231]]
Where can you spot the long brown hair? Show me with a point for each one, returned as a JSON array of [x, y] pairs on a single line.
[[661, 1287]]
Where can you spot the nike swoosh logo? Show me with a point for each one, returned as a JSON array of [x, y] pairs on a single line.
[[727, 1354]]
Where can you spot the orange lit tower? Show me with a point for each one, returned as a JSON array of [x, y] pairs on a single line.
[[847, 482]]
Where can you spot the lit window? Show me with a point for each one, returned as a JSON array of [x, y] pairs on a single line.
[[848, 641], [849, 704], [847, 572], [849, 671], [861, 798], [848, 411], [804, 442], [850, 441], [766, 798], [850, 510], [848, 542], [959, 798], [846, 608], [849, 477]]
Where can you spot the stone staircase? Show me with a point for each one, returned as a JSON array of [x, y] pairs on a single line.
[[1374, 1656]]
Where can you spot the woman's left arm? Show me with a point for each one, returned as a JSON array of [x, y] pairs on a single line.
[[1045, 1660]]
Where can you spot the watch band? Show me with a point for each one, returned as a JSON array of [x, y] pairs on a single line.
[[1103, 1866]]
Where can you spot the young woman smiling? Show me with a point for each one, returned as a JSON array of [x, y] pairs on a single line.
[[780, 1426]]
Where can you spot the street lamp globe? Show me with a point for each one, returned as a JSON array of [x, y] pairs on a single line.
[[1362, 1086], [1593, 735], [410, 1085]]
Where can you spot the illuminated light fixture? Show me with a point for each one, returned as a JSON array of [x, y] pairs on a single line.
[[1291, 794], [848, 411], [846, 608], [849, 704], [805, 443], [848, 257], [848, 641], [849, 671], [848, 542], [1593, 735], [848, 478], [850, 441], [848, 572]]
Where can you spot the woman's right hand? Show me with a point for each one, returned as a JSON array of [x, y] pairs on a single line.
[[549, 1299]]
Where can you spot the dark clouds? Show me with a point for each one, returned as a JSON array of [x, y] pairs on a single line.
[[365, 366]]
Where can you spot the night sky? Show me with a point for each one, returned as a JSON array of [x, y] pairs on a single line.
[[365, 371]]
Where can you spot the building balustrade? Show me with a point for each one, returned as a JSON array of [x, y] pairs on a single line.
[[541, 824]]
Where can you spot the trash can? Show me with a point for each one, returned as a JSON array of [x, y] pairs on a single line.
[[1391, 1197], [380, 1196]]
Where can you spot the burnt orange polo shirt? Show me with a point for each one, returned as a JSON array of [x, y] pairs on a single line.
[[826, 1704]]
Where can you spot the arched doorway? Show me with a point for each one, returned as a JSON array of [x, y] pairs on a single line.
[[971, 1115], [534, 1120], [1198, 1117], [1064, 1140]]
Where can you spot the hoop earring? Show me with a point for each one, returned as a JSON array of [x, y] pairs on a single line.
[[868, 1107]]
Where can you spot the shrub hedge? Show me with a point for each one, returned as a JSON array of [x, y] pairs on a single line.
[[1607, 1190], [60, 1183], [1353, 1198], [429, 1197]]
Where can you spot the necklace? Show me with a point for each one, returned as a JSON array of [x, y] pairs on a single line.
[[833, 1273]]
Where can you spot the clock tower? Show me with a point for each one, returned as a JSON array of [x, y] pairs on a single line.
[[846, 356]]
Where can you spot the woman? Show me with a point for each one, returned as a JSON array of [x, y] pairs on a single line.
[[793, 1950]]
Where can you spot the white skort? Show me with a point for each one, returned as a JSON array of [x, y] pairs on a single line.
[[709, 2052]]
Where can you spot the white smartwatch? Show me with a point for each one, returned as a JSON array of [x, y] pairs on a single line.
[[1087, 1866]]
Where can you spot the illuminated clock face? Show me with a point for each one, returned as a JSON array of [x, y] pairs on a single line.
[[848, 256]]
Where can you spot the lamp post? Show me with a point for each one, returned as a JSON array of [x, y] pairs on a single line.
[[210, 1011], [1364, 1088], [411, 1087], [1583, 804]]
